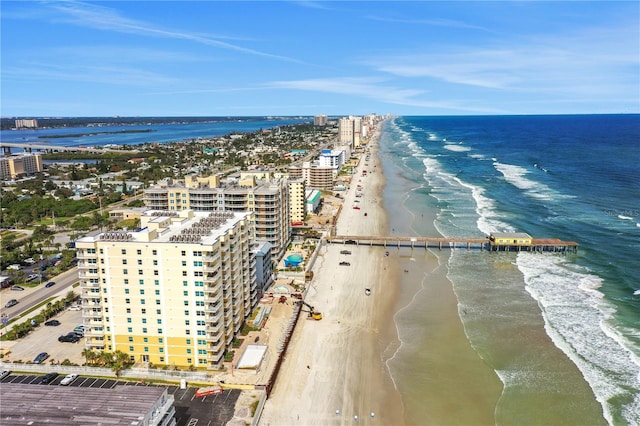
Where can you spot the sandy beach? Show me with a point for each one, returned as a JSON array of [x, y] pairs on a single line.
[[334, 369], [343, 366]]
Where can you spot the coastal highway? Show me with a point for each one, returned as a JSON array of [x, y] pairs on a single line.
[[31, 297]]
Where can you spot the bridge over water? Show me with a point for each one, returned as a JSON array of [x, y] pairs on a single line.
[[30, 147]]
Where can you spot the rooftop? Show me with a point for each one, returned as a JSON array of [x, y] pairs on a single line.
[[58, 405]]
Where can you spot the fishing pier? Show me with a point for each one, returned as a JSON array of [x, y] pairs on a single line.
[[507, 241]]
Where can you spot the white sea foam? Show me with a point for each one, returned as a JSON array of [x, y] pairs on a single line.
[[457, 148], [515, 175], [636, 293], [478, 156], [578, 320], [624, 217]]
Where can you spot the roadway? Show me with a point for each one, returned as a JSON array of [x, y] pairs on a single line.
[[32, 296]]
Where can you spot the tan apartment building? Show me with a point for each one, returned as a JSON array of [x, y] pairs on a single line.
[[20, 165], [268, 199], [314, 176], [350, 131], [297, 200], [175, 292]]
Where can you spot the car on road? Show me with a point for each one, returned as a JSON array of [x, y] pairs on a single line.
[[345, 252], [345, 264], [48, 378], [53, 323], [68, 379], [42, 356], [10, 303], [17, 288], [50, 284], [4, 374], [69, 338]]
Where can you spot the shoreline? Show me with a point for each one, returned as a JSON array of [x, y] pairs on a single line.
[[399, 356], [335, 368], [442, 379]]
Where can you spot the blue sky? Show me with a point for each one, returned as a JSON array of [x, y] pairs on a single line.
[[212, 58]]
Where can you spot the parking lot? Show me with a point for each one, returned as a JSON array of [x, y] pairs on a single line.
[[45, 339], [210, 410]]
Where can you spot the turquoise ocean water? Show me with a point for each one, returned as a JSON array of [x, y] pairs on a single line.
[[546, 323]]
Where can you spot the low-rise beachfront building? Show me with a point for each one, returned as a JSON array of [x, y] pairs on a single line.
[[509, 239], [75, 405], [175, 292], [313, 200]]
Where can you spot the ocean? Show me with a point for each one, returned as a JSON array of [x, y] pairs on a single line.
[[562, 332]]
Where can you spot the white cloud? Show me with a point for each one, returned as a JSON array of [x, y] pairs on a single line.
[[108, 19]]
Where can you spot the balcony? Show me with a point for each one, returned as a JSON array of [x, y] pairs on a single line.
[[212, 278], [213, 289], [215, 329], [213, 308], [214, 347], [93, 333], [213, 258]]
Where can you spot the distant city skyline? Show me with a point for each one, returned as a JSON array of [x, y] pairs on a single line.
[[278, 58]]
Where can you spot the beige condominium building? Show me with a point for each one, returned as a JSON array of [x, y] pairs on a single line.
[[20, 165], [268, 199], [175, 292]]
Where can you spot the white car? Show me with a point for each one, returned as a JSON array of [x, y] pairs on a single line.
[[68, 379], [15, 267], [4, 374], [74, 308]]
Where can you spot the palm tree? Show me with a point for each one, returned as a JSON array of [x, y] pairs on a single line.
[[89, 355]]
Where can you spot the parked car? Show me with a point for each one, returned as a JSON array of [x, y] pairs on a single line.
[[4, 374], [15, 267], [17, 288], [29, 261], [10, 303], [42, 356], [345, 252], [345, 264], [79, 328], [69, 338], [54, 323], [50, 284], [32, 277], [74, 308], [68, 379], [48, 378]]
